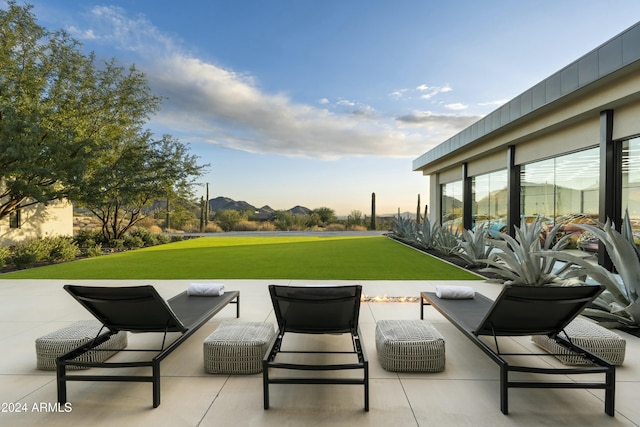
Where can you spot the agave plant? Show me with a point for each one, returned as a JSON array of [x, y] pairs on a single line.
[[403, 229], [519, 260], [445, 241], [619, 304], [424, 233], [473, 246]]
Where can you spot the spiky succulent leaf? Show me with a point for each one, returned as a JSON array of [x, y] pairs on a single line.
[[424, 234], [623, 256], [519, 259], [473, 246], [445, 241]]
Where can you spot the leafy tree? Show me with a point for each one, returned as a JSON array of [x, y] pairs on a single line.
[[228, 218], [72, 129], [59, 111], [128, 178], [355, 218], [327, 215]]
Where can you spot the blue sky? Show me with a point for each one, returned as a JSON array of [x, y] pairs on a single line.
[[322, 102]]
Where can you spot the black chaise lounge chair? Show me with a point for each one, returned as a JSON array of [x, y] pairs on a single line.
[[316, 310], [522, 311], [138, 309]]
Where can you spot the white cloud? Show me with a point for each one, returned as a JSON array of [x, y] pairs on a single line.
[[398, 94], [431, 91], [456, 106], [208, 103], [495, 103], [346, 103], [439, 126]]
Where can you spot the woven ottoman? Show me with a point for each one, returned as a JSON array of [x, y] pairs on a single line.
[[237, 347], [409, 346], [53, 345], [588, 335]]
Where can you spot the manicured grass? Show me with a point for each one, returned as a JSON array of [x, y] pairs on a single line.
[[299, 257]]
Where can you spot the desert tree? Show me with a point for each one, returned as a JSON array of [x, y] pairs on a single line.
[[125, 181], [59, 110], [73, 129], [327, 215]]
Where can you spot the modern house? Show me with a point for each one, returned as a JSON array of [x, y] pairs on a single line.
[[569, 147], [54, 219]]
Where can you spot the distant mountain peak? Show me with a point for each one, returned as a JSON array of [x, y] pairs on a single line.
[[222, 203]]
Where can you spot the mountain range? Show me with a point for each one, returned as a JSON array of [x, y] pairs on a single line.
[[265, 212]]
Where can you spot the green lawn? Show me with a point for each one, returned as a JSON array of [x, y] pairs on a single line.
[[221, 257]]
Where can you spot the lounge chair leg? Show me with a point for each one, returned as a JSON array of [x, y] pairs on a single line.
[[61, 378], [504, 389], [610, 393], [366, 387], [265, 384], [156, 384]]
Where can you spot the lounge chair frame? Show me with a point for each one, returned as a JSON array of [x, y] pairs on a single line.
[[316, 310], [522, 311], [138, 309]]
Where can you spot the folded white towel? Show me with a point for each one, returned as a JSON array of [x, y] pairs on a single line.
[[205, 289], [455, 292]]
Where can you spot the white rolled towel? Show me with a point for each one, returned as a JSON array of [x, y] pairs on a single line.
[[205, 289], [455, 292]]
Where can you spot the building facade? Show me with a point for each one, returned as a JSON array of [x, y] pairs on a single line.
[[566, 150], [54, 219]]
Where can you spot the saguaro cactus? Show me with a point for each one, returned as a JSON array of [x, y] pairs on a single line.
[[373, 211]]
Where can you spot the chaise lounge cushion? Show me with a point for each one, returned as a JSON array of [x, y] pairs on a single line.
[[409, 346], [237, 347], [57, 343], [588, 335]]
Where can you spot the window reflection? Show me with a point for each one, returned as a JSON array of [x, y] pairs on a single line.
[[565, 191], [490, 200], [452, 205], [631, 182]]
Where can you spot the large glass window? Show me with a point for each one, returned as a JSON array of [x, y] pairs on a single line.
[[490, 200], [452, 204], [563, 190], [631, 181]]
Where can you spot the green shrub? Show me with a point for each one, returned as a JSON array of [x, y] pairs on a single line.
[[227, 219], [117, 243], [29, 252], [287, 221], [132, 242], [24, 258], [148, 238], [61, 248], [95, 250], [4, 256], [87, 238], [163, 238]]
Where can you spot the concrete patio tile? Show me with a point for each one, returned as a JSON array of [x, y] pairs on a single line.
[[307, 405], [184, 403], [477, 403], [466, 393]]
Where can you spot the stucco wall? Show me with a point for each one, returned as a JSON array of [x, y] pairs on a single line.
[[56, 219]]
